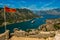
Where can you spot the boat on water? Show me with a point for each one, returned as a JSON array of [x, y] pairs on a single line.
[[32, 21]]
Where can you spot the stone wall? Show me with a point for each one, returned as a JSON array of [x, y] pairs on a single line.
[[19, 33], [5, 35], [41, 34], [57, 36]]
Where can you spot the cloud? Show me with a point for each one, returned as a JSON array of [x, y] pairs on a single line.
[[48, 8], [33, 7], [23, 1], [29, 7], [44, 7], [1, 3], [47, 4], [8, 5], [4, 4]]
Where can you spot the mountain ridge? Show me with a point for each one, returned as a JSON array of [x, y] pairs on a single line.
[[55, 11], [20, 15]]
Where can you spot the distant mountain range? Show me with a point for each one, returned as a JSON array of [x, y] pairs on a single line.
[[20, 15], [51, 12]]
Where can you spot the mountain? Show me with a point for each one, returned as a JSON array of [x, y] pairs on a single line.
[[20, 15], [55, 11]]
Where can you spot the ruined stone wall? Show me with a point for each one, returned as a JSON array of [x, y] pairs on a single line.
[[19, 33], [57, 36], [5, 35], [41, 34]]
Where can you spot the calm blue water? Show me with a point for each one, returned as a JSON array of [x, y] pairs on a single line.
[[28, 24]]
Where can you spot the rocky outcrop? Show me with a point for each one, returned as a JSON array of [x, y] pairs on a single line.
[[5, 36], [51, 25]]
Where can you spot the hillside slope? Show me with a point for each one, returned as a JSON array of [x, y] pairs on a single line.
[[20, 15]]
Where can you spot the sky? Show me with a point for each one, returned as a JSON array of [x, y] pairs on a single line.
[[31, 4]]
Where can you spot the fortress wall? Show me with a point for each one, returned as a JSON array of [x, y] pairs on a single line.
[[19, 33], [41, 34], [5, 35]]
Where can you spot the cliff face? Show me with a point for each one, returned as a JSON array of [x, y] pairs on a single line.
[[20, 15], [51, 25]]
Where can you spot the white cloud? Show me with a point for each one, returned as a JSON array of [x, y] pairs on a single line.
[[29, 7], [33, 7], [8, 5], [48, 8], [1, 3], [4, 4], [47, 4], [23, 1]]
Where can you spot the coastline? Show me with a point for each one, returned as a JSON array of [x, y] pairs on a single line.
[[7, 23]]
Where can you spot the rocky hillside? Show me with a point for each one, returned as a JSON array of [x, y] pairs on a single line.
[[20, 15], [51, 25]]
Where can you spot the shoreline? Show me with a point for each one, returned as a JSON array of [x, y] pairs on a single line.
[[15, 22]]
